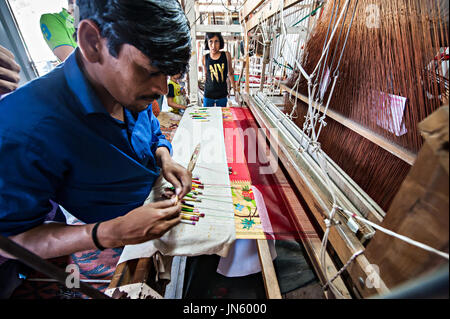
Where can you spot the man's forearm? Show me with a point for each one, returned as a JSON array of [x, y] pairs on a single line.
[[55, 239], [162, 155], [141, 224]]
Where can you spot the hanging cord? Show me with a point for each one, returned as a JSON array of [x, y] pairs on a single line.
[[325, 287], [331, 38], [393, 234], [329, 223], [336, 71], [325, 66], [332, 21], [283, 30], [322, 66]]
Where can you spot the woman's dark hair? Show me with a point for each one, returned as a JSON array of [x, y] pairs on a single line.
[[210, 35], [157, 28]]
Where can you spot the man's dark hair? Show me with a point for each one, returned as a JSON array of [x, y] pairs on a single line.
[[210, 35], [157, 28]]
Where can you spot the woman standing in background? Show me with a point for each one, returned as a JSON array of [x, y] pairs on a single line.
[[217, 67]]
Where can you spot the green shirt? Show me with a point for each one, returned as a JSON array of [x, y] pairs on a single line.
[[58, 29]]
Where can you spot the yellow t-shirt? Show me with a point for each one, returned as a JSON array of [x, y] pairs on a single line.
[[178, 96]]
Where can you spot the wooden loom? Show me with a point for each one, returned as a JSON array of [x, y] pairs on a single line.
[[395, 267], [138, 271]]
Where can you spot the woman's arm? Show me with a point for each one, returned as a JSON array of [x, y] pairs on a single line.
[[171, 103], [231, 71]]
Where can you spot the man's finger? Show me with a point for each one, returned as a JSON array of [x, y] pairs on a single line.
[[186, 181], [6, 87], [9, 75], [168, 193], [6, 52], [168, 224], [171, 178], [8, 62], [172, 212], [164, 203]]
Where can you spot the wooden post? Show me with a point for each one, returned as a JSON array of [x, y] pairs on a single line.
[[419, 210], [193, 71], [266, 56], [247, 63], [268, 270]]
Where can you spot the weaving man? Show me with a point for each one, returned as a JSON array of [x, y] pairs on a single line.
[[85, 137]]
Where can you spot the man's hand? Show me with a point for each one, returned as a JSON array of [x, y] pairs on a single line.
[[141, 224], [9, 72], [174, 173], [178, 176]]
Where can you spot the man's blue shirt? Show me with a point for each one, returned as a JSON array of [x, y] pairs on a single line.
[[57, 142]]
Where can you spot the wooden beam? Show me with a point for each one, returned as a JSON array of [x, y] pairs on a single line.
[[193, 67], [122, 275], [249, 7], [266, 60], [238, 85], [247, 63], [268, 270], [269, 9], [402, 153]]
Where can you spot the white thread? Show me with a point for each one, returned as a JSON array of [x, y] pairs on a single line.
[[396, 235]]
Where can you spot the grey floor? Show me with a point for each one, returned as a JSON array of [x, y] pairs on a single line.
[[296, 278]]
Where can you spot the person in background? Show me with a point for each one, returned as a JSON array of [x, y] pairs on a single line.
[[176, 98], [9, 72], [59, 31], [217, 67]]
